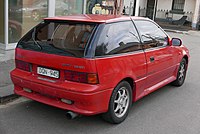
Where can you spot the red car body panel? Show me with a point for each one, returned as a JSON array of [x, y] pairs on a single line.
[[90, 99], [60, 88], [93, 18], [133, 66]]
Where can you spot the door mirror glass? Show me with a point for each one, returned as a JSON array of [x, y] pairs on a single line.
[[176, 42]]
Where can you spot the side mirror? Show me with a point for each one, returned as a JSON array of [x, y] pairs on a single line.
[[176, 42]]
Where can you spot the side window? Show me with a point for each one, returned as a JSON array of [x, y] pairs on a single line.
[[117, 38], [151, 35]]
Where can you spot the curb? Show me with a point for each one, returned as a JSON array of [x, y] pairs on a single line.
[[176, 31], [8, 98]]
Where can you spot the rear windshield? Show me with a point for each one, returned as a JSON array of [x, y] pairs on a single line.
[[68, 39]]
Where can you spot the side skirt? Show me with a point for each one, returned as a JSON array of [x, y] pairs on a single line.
[[157, 86]]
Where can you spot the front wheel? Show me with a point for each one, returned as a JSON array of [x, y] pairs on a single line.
[[181, 74], [120, 103]]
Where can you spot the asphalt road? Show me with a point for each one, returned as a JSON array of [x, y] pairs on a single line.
[[169, 110]]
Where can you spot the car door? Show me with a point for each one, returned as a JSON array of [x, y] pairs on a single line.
[[119, 55], [159, 55]]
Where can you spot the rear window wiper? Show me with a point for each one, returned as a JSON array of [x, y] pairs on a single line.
[[33, 38]]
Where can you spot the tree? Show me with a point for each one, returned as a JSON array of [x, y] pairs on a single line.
[[118, 7]]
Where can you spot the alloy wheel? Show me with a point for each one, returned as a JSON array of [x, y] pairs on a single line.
[[121, 102], [182, 69], [181, 74]]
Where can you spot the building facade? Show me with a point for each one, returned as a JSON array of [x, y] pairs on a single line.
[[19, 16], [173, 9]]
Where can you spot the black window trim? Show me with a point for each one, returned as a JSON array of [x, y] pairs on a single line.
[[90, 42], [121, 54], [91, 52]]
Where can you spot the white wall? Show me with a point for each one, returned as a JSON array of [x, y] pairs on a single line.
[[143, 4], [167, 5], [164, 5], [189, 6], [127, 2]]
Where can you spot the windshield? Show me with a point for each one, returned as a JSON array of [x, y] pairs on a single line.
[[68, 39]]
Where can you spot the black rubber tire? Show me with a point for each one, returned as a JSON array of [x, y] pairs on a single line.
[[110, 116], [179, 82]]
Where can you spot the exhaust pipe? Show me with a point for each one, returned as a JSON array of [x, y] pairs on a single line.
[[71, 115]]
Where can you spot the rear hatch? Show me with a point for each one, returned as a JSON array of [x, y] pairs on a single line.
[[57, 50]]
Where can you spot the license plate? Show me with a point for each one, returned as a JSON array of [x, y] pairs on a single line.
[[48, 72]]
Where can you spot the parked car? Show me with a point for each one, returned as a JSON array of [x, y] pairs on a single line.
[[38, 10], [14, 31], [92, 64]]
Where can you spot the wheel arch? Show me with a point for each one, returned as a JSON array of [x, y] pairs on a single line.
[[132, 83], [186, 58]]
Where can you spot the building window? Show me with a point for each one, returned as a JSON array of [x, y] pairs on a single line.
[[23, 15], [68, 7], [100, 7], [178, 5]]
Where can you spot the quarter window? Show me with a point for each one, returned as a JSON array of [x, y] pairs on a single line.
[[117, 38], [151, 35]]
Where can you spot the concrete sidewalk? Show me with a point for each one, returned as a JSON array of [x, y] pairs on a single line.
[[190, 32], [6, 86], [7, 64]]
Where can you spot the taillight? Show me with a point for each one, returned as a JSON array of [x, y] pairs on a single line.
[[23, 65], [90, 78]]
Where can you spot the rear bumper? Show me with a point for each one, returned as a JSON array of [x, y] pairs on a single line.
[[86, 103]]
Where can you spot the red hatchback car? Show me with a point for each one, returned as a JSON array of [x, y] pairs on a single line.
[[92, 64]]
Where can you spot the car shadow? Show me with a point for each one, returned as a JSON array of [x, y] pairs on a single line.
[[55, 117]]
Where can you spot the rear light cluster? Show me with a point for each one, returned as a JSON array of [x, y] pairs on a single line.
[[90, 78], [23, 65]]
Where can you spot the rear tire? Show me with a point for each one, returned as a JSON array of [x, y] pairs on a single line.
[[120, 103], [181, 74]]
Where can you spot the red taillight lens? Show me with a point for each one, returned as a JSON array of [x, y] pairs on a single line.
[[81, 77], [76, 76], [23, 65]]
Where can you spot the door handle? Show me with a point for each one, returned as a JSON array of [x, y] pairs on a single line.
[[152, 59]]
